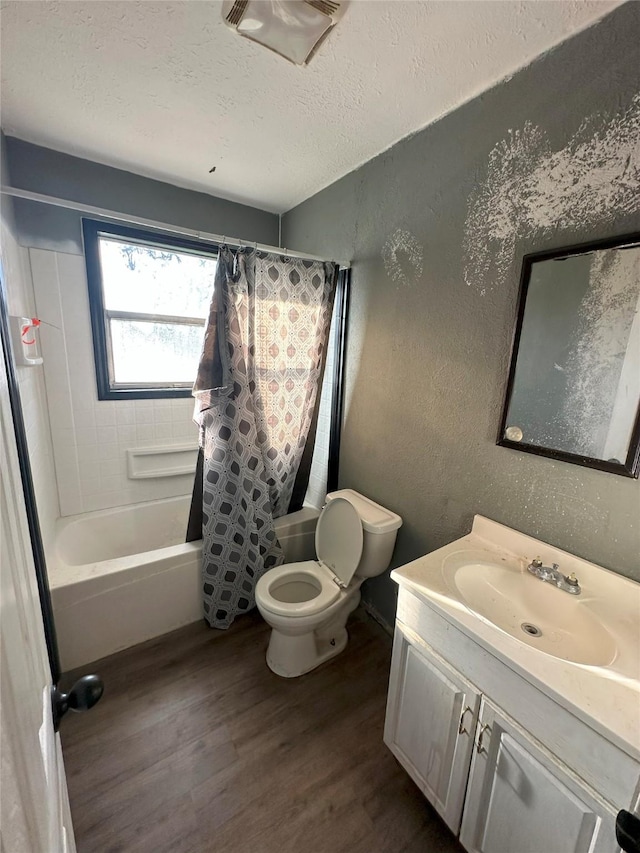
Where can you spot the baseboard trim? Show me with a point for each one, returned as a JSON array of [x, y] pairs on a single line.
[[371, 611]]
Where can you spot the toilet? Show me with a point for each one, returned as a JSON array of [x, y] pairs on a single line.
[[307, 604]]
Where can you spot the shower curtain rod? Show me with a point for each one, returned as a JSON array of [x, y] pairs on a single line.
[[90, 209]]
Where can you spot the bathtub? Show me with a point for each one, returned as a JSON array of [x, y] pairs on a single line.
[[122, 576]]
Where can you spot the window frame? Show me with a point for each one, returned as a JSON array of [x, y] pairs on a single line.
[[92, 231]]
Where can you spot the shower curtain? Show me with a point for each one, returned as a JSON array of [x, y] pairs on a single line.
[[256, 390]]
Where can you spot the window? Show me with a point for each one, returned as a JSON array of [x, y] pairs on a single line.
[[149, 296]]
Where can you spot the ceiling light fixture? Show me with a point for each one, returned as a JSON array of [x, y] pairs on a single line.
[[292, 28]]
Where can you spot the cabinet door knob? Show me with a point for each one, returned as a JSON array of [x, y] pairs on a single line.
[[461, 728], [480, 748]]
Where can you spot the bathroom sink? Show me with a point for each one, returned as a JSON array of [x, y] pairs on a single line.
[[535, 612]]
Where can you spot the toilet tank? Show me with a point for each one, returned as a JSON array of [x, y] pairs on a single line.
[[380, 528]]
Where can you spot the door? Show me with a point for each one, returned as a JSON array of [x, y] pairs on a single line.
[[431, 717], [34, 807], [520, 797]]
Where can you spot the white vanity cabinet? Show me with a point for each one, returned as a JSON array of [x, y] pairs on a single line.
[[430, 724], [521, 798], [507, 768]]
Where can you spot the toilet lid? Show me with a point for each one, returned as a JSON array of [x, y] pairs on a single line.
[[339, 538]]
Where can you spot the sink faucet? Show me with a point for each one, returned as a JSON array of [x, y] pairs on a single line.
[[554, 575]]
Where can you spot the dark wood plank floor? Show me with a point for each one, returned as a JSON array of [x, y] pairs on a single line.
[[197, 747]]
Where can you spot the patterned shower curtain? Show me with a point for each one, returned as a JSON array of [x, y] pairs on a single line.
[[256, 390]]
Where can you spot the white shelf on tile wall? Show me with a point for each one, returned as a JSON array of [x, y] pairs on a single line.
[[170, 460], [25, 339]]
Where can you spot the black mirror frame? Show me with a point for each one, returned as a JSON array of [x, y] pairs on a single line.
[[631, 466]]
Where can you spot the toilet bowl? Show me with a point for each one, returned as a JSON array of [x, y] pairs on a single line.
[[307, 603]]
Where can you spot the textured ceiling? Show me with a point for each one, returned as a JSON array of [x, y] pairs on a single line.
[[166, 90]]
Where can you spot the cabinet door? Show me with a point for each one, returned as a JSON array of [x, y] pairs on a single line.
[[522, 798], [431, 717]]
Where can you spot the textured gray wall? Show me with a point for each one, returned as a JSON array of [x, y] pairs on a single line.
[[436, 264], [52, 173], [6, 203]]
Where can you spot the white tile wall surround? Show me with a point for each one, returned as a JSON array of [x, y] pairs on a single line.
[[18, 283], [86, 437], [91, 436]]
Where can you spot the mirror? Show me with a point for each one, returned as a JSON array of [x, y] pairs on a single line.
[[574, 384]]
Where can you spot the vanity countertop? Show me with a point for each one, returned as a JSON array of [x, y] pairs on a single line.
[[606, 697]]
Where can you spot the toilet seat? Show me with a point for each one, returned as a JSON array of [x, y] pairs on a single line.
[[308, 571], [340, 539], [339, 543]]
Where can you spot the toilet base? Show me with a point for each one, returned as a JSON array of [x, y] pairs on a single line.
[[292, 653], [290, 657]]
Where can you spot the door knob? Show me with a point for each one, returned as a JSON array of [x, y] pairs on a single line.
[[628, 831], [83, 695]]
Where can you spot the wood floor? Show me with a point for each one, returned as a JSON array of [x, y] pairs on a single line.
[[197, 747]]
